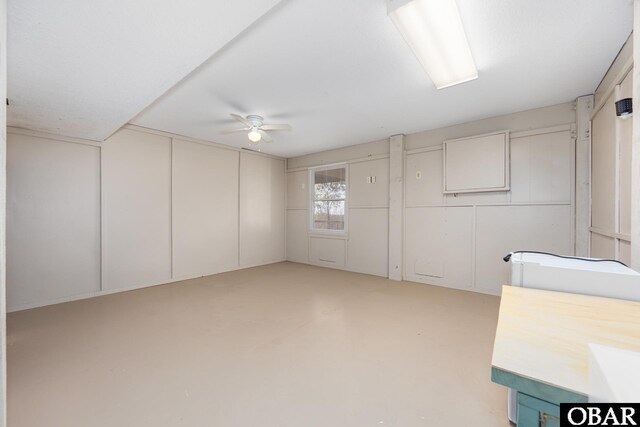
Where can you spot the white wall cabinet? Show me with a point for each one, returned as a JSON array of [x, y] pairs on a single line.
[[478, 163]]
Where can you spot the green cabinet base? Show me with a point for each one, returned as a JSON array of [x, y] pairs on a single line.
[[534, 412]]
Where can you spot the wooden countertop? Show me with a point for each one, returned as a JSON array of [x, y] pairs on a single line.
[[544, 335]]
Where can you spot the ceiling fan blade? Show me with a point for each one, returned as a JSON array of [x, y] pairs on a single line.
[[241, 120], [265, 136], [227, 132], [276, 127]]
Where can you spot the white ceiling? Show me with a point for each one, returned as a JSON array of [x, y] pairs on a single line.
[[84, 68], [337, 71]]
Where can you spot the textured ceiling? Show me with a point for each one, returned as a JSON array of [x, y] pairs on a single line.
[[83, 68], [338, 71]]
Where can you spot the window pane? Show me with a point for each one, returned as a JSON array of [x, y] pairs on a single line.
[[329, 194], [328, 215], [330, 184]]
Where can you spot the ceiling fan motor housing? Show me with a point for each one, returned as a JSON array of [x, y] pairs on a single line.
[[256, 121]]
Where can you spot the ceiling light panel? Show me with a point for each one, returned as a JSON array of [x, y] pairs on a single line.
[[433, 29]]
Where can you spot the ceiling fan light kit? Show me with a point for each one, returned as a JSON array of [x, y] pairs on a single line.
[[434, 31], [254, 135], [256, 128]]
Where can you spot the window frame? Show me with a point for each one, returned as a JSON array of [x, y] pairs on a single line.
[[311, 199]]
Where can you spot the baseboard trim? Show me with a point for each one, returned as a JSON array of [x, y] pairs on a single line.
[[21, 307], [412, 279]]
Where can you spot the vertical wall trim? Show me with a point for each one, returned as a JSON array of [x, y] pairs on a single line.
[[616, 192], [635, 150], [396, 203], [572, 187], [101, 243], [239, 205], [474, 249], [584, 108], [3, 211], [172, 232]]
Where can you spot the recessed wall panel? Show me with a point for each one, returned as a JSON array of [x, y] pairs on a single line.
[[503, 229], [136, 209], [205, 209], [297, 239], [53, 220], [439, 246], [262, 209], [368, 241], [297, 189], [369, 183]]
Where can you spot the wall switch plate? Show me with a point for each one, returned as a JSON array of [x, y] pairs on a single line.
[[368, 180], [418, 175], [373, 179], [303, 185]]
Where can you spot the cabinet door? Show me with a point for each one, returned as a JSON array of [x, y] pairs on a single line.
[[534, 412]]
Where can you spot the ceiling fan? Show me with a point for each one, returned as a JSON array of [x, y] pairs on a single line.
[[256, 127]]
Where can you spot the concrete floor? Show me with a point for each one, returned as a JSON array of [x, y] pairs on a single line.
[[280, 345]]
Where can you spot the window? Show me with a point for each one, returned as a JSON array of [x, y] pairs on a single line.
[[328, 198]]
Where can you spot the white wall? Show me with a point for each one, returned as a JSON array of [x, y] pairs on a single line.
[[140, 209], [459, 240], [53, 219], [364, 248], [205, 208], [262, 209], [611, 163], [3, 188], [136, 177], [451, 240]]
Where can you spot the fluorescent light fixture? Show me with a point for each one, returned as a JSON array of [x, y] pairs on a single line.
[[433, 29]]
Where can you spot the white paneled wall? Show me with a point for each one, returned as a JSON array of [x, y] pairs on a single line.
[[458, 240], [53, 219], [140, 209], [205, 209], [439, 245], [364, 248], [611, 174], [262, 209], [453, 240], [136, 222], [501, 229]]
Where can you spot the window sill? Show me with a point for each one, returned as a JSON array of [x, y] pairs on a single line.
[[343, 235]]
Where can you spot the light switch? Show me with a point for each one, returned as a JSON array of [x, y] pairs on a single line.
[[368, 180], [418, 175], [373, 179]]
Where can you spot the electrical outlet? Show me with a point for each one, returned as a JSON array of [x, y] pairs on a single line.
[[418, 175]]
